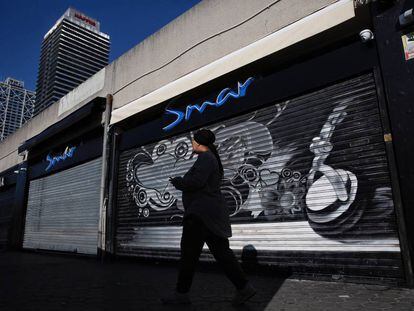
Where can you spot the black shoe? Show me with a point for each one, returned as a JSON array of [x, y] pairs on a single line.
[[176, 298], [243, 295]]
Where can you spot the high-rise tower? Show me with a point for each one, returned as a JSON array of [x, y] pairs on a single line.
[[73, 50], [16, 106]]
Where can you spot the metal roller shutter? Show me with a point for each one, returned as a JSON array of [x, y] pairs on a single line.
[[306, 180], [6, 210], [63, 210]]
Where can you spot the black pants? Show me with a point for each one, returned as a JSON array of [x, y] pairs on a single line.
[[195, 234]]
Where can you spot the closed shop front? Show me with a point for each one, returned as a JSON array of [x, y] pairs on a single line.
[[307, 167], [63, 184], [307, 185], [63, 210], [310, 180]]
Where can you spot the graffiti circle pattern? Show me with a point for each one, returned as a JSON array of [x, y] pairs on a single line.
[[140, 196]]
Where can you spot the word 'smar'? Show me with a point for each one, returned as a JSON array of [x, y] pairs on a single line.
[[68, 153], [221, 99]]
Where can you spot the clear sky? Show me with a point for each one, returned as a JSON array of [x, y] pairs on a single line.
[[23, 24]]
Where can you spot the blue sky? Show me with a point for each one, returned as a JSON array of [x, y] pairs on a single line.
[[24, 23]]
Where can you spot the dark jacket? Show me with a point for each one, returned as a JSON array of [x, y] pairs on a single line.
[[202, 196]]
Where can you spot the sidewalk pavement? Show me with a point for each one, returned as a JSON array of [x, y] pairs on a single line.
[[33, 281]]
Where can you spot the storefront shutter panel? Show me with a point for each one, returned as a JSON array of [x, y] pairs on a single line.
[[63, 210], [306, 182]]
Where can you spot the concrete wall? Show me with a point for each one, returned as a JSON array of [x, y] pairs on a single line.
[[56, 112], [8, 147], [221, 26], [212, 19]]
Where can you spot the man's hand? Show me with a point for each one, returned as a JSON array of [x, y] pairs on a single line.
[[174, 181]]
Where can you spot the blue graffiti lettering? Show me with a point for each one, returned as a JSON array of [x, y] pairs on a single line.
[[221, 99], [178, 114], [68, 153]]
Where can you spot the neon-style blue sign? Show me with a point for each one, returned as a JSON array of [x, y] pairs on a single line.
[[221, 99], [68, 153]]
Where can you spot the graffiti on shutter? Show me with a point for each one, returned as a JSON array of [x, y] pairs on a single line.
[[319, 158]]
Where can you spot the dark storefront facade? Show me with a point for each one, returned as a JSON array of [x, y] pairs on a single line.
[[308, 160], [306, 180], [63, 184]]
